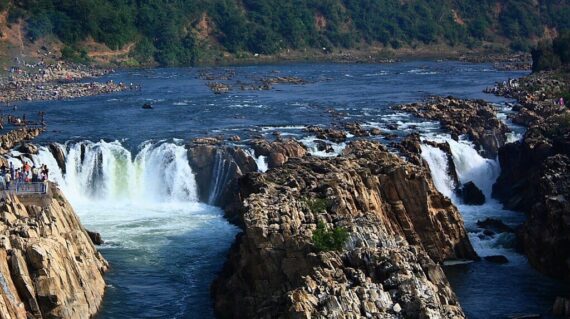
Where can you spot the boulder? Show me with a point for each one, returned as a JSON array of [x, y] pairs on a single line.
[[495, 225], [472, 195], [28, 148], [95, 238]]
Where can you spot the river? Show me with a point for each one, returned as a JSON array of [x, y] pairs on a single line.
[[128, 177]]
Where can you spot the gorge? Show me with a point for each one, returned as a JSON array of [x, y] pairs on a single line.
[[158, 199]]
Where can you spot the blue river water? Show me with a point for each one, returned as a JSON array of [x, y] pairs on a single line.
[[164, 253]]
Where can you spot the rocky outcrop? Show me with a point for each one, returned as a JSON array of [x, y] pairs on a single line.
[[535, 173], [15, 137], [475, 118], [545, 235], [471, 194], [399, 229], [49, 267], [278, 152]]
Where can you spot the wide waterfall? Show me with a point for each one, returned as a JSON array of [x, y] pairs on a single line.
[[164, 246], [108, 171]]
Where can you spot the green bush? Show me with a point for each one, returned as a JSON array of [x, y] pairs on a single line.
[[74, 55], [329, 239], [317, 205]]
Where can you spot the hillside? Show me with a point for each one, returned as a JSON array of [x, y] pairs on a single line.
[[201, 31]]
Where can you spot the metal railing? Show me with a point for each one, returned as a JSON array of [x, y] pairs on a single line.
[[25, 188]]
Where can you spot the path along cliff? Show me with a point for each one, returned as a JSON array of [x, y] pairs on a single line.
[[49, 268], [399, 229]]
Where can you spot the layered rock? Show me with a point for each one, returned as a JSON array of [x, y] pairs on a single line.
[[49, 267], [15, 137], [278, 152], [475, 118], [217, 170], [535, 174], [399, 228]]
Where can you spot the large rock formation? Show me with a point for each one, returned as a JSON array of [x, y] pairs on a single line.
[[399, 228], [49, 267], [278, 152], [535, 173], [475, 118], [217, 170]]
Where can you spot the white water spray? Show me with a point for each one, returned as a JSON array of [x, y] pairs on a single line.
[[108, 172]]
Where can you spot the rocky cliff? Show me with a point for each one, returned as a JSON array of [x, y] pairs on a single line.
[[218, 168], [49, 267], [535, 175], [399, 229]]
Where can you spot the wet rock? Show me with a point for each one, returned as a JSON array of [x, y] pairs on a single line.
[[28, 148], [331, 134], [356, 130], [472, 195], [217, 172], [323, 146], [218, 87], [495, 225], [207, 140], [278, 152], [561, 307], [497, 259], [95, 238], [399, 228], [59, 156], [475, 118], [375, 131]]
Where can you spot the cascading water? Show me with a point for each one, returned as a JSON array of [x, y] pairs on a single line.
[[163, 246], [473, 282], [108, 171], [220, 176]]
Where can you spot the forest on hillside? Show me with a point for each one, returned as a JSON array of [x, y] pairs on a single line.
[[166, 31]]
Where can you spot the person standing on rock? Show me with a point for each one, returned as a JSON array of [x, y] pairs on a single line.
[[7, 181], [561, 101]]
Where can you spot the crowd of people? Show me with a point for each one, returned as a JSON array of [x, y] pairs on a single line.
[[19, 178]]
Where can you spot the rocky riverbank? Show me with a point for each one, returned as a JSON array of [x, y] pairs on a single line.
[[535, 175], [49, 267], [475, 118], [57, 81], [399, 228]]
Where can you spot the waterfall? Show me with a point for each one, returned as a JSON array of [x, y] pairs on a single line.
[[471, 166], [222, 168], [437, 161], [260, 161], [107, 171]]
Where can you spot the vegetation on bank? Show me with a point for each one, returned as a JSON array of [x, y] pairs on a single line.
[[183, 32]]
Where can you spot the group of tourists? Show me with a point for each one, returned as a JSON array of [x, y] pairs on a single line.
[[19, 178]]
